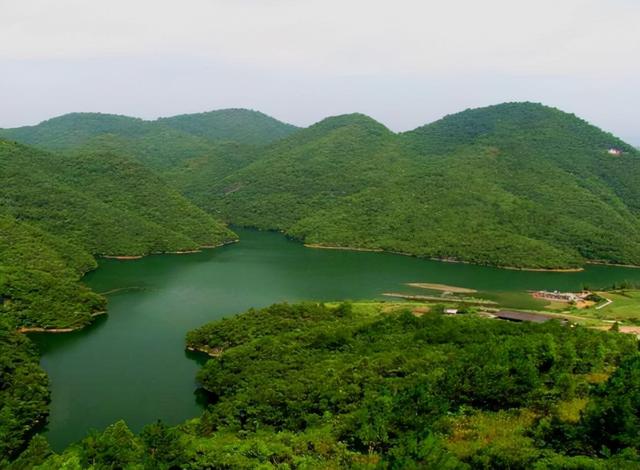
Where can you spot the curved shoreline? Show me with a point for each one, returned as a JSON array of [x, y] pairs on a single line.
[[38, 329], [179, 252], [451, 260], [71, 329]]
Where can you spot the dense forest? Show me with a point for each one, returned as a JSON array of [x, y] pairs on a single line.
[[313, 386], [316, 386], [518, 184], [158, 144], [512, 185], [56, 213]]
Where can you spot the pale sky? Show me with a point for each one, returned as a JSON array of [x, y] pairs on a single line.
[[403, 62]]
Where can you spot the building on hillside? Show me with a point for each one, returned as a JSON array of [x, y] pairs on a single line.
[[614, 151], [450, 311]]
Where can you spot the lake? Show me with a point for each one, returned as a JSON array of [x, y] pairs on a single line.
[[132, 365]]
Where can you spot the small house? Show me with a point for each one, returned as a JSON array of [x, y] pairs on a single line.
[[615, 152]]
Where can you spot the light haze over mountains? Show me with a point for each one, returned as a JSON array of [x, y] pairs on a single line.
[[403, 63]]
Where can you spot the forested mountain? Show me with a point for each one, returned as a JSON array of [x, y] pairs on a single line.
[[158, 144], [511, 185], [57, 211], [239, 125], [516, 184]]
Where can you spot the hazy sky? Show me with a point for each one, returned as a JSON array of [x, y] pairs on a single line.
[[403, 62]]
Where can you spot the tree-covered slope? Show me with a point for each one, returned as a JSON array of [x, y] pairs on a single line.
[[373, 386], [105, 203], [513, 185], [239, 125], [517, 184], [57, 211], [23, 391], [159, 144]]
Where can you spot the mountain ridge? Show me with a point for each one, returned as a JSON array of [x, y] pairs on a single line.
[[509, 176], [516, 184]]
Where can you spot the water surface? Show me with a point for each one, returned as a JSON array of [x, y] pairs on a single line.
[[131, 364]]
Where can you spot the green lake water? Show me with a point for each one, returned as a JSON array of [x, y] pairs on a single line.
[[131, 364]]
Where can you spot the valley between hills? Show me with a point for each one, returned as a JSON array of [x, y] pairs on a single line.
[[313, 385]]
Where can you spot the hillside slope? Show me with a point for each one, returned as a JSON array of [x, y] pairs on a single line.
[[518, 184], [238, 125], [57, 211], [159, 144]]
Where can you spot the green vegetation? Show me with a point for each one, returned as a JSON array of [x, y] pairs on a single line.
[[373, 386], [513, 185], [158, 144], [313, 386], [239, 125], [517, 184], [56, 212], [23, 391], [102, 202], [624, 306]]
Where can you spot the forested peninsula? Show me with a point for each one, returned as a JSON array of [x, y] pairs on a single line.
[[372, 385]]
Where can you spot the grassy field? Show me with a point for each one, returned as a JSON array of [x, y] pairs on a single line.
[[625, 307]]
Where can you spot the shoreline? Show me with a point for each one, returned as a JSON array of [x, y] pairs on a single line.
[[211, 352], [435, 298], [345, 248], [619, 265], [546, 270], [39, 329], [179, 252], [70, 329], [452, 260]]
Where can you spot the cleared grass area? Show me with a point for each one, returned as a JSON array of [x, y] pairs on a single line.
[[625, 306], [503, 431]]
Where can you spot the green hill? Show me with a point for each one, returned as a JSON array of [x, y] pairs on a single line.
[[239, 125], [516, 184], [56, 211], [158, 144]]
